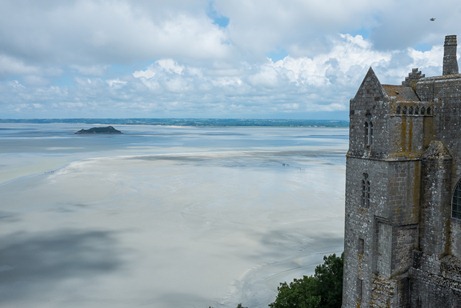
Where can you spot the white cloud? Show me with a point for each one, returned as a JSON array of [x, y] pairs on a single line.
[[16, 85], [267, 77], [93, 70], [116, 83], [13, 66], [170, 66], [146, 74], [429, 61]]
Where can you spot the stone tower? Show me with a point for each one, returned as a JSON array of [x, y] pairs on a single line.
[[403, 191], [450, 63]]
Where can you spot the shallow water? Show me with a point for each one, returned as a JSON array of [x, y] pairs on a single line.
[[165, 216]]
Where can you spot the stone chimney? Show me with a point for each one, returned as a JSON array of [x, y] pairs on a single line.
[[450, 63]]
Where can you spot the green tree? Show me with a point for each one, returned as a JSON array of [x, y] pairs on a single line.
[[323, 289]]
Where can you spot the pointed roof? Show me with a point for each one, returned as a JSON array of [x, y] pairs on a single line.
[[370, 82], [371, 77]]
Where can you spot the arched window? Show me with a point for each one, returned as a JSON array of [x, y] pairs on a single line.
[[368, 133], [365, 190], [410, 110], [456, 203], [398, 109]]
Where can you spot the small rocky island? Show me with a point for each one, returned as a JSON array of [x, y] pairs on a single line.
[[99, 130]]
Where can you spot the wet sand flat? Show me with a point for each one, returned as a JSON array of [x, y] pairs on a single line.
[[175, 227]]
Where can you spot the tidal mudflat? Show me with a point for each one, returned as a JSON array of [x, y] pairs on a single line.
[[165, 216]]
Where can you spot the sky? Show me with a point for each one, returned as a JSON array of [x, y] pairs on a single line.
[[210, 58]]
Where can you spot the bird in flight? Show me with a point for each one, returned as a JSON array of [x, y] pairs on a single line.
[[432, 19]]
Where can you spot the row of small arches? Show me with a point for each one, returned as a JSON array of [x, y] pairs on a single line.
[[414, 110]]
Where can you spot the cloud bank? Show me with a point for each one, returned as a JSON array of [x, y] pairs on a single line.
[[209, 58]]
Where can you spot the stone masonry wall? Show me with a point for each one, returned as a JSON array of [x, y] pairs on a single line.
[[447, 123], [429, 290], [385, 228]]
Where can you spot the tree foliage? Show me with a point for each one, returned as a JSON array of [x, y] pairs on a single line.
[[323, 289]]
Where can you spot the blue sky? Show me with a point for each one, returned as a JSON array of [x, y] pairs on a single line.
[[210, 58]]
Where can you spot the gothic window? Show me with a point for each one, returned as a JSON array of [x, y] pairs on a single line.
[[398, 110], [404, 111], [410, 110], [456, 204], [368, 133], [423, 110], [429, 110], [366, 191]]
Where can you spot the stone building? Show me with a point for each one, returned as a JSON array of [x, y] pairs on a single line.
[[403, 191]]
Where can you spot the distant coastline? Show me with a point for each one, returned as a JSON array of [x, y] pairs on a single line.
[[198, 122]]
